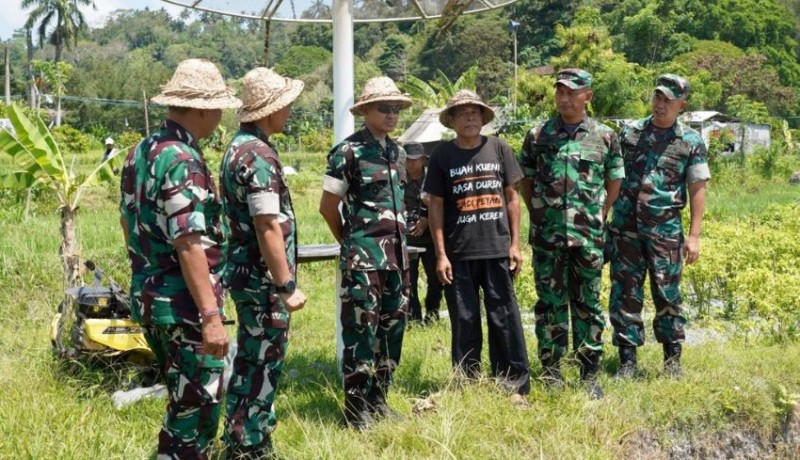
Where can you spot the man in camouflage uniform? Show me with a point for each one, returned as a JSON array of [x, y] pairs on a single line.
[[262, 261], [170, 215], [573, 169], [663, 158], [365, 174]]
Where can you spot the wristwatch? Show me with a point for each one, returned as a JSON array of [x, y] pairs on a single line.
[[287, 288]]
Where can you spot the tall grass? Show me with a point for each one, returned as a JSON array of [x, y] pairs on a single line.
[[56, 409]]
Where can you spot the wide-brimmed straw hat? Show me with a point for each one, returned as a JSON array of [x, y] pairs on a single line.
[[380, 89], [197, 84], [265, 92], [465, 97]]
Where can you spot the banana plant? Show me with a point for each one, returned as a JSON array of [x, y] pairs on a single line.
[[435, 93], [39, 163]]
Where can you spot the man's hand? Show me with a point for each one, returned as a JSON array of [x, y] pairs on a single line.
[[294, 301], [514, 260], [691, 249], [215, 337], [444, 270], [419, 228]]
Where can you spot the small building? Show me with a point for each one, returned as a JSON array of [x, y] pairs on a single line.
[[713, 124], [427, 130]]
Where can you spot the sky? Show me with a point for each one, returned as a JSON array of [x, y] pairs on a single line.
[[13, 17]]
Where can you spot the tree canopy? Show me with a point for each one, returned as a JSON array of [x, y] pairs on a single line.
[[724, 47]]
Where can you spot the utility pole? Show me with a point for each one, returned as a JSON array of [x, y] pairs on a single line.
[[8, 77], [146, 115], [512, 27], [32, 80]]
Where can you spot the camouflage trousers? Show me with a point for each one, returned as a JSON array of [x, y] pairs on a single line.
[[568, 282], [194, 384], [374, 315], [262, 339], [633, 257]]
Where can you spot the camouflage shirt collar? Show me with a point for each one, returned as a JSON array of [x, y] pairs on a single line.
[[367, 138], [177, 130], [676, 128], [253, 130], [585, 125]]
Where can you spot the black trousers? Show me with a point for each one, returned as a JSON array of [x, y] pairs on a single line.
[[508, 354], [433, 295]]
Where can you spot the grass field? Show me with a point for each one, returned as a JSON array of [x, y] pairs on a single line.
[[734, 400]]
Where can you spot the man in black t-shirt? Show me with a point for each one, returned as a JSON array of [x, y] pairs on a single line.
[[474, 219]]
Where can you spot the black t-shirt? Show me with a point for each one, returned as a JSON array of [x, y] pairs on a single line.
[[472, 184]]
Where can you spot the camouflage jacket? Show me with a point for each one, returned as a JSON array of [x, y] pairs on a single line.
[[252, 183], [168, 192], [658, 166], [569, 174], [370, 179]]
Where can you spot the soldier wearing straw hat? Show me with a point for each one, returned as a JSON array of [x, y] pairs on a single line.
[[170, 214], [365, 173], [262, 260], [474, 220]]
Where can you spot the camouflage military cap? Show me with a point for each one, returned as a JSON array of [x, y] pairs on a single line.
[[673, 86], [574, 78]]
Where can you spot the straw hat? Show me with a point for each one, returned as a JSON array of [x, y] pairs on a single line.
[[265, 92], [197, 84], [380, 89], [465, 97]]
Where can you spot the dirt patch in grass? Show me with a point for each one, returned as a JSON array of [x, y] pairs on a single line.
[[741, 444]]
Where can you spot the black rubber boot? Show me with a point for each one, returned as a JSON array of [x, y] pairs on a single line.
[[590, 362], [627, 363], [356, 410], [263, 451], [672, 360], [376, 402], [551, 372]]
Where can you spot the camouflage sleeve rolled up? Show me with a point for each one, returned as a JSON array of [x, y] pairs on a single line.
[[697, 169], [337, 177], [261, 185], [614, 165], [184, 193]]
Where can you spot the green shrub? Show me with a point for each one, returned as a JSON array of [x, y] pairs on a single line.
[[72, 140], [128, 139]]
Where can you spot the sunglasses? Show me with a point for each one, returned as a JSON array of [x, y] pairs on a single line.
[[386, 109]]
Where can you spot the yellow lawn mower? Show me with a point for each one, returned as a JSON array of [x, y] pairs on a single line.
[[95, 322]]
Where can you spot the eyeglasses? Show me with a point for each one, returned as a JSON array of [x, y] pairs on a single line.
[[386, 109]]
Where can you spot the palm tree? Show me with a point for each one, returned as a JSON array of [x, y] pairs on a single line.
[[65, 16]]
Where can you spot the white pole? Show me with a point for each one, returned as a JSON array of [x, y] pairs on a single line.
[[515, 73], [343, 68], [343, 122]]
